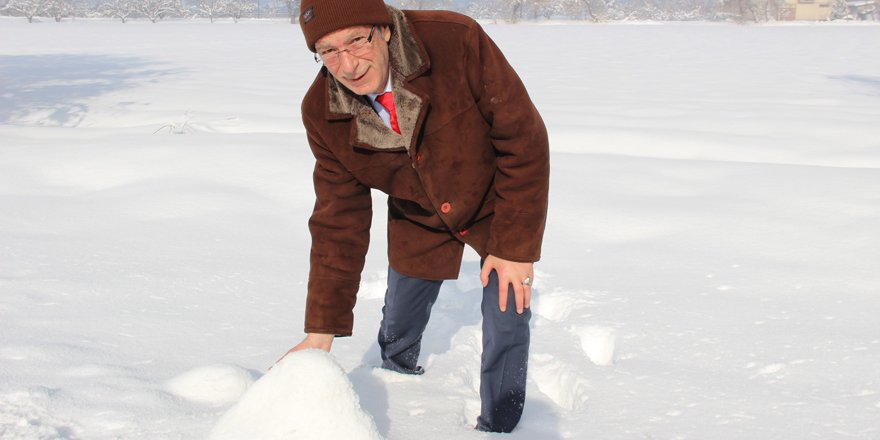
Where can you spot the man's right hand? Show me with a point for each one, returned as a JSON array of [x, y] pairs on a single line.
[[313, 340]]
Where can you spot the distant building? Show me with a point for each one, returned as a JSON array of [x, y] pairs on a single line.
[[814, 10], [862, 9]]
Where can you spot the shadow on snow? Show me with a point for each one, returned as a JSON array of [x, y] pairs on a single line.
[[59, 86], [870, 84]]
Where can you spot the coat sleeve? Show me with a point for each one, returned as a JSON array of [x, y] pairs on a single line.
[[519, 137], [340, 230]]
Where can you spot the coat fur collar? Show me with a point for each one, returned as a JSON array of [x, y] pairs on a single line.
[[408, 60]]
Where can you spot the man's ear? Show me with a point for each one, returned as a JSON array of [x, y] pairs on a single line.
[[386, 33]]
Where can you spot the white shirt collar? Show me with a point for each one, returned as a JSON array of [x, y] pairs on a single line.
[[373, 96]]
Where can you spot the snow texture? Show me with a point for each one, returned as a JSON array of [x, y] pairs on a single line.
[[305, 396]]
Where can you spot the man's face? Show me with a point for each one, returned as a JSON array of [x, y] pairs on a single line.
[[363, 74]]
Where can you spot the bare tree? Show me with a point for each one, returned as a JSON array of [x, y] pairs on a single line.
[[59, 9], [741, 10], [121, 9], [424, 4], [513, 9], [484, 9], [542, 8], [767, 10], [211, 8], [595, 10], [292, 10], [156, 10], [272, 7], [238, 8], [681, 10], [26, 8]]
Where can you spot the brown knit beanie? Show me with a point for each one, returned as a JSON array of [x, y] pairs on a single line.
[[321, 17]]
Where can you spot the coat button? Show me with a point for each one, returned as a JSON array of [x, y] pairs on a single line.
[[446, 207]]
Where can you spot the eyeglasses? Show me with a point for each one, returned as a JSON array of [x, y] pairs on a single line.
[[358, 47]]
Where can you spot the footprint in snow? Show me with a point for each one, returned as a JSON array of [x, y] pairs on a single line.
[[598, 343], [564, 383], [558, 305], [772, 371]]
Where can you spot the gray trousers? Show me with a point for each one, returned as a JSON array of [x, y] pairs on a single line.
[[505, 357]]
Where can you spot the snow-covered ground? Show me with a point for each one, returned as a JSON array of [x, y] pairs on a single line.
[[710, 262]]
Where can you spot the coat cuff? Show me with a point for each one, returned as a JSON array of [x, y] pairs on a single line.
[[330, 306]]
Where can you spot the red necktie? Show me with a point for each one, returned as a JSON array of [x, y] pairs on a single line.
[[387, 101]]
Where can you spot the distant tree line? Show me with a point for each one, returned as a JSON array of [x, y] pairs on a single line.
[[506, 10], [654, 10], [153, 10]]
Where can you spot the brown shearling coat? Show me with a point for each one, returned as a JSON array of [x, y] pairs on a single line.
[[470, 167]]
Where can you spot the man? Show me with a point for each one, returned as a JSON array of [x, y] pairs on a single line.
[[423, 106]]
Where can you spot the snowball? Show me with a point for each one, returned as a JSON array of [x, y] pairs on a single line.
[[215, 385], [305, 396]]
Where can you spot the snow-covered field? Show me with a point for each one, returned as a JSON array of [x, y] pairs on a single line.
[[710, 267]]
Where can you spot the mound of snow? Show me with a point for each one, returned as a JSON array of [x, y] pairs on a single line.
[[598, 344], [306, 395], [216, 385]]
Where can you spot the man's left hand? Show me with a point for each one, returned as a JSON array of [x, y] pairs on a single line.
[[510, 273]]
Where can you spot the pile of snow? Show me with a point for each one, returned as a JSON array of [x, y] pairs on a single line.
[[304, 396], [216, 385]]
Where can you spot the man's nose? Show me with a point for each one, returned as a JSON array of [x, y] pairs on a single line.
[[347, 61]]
